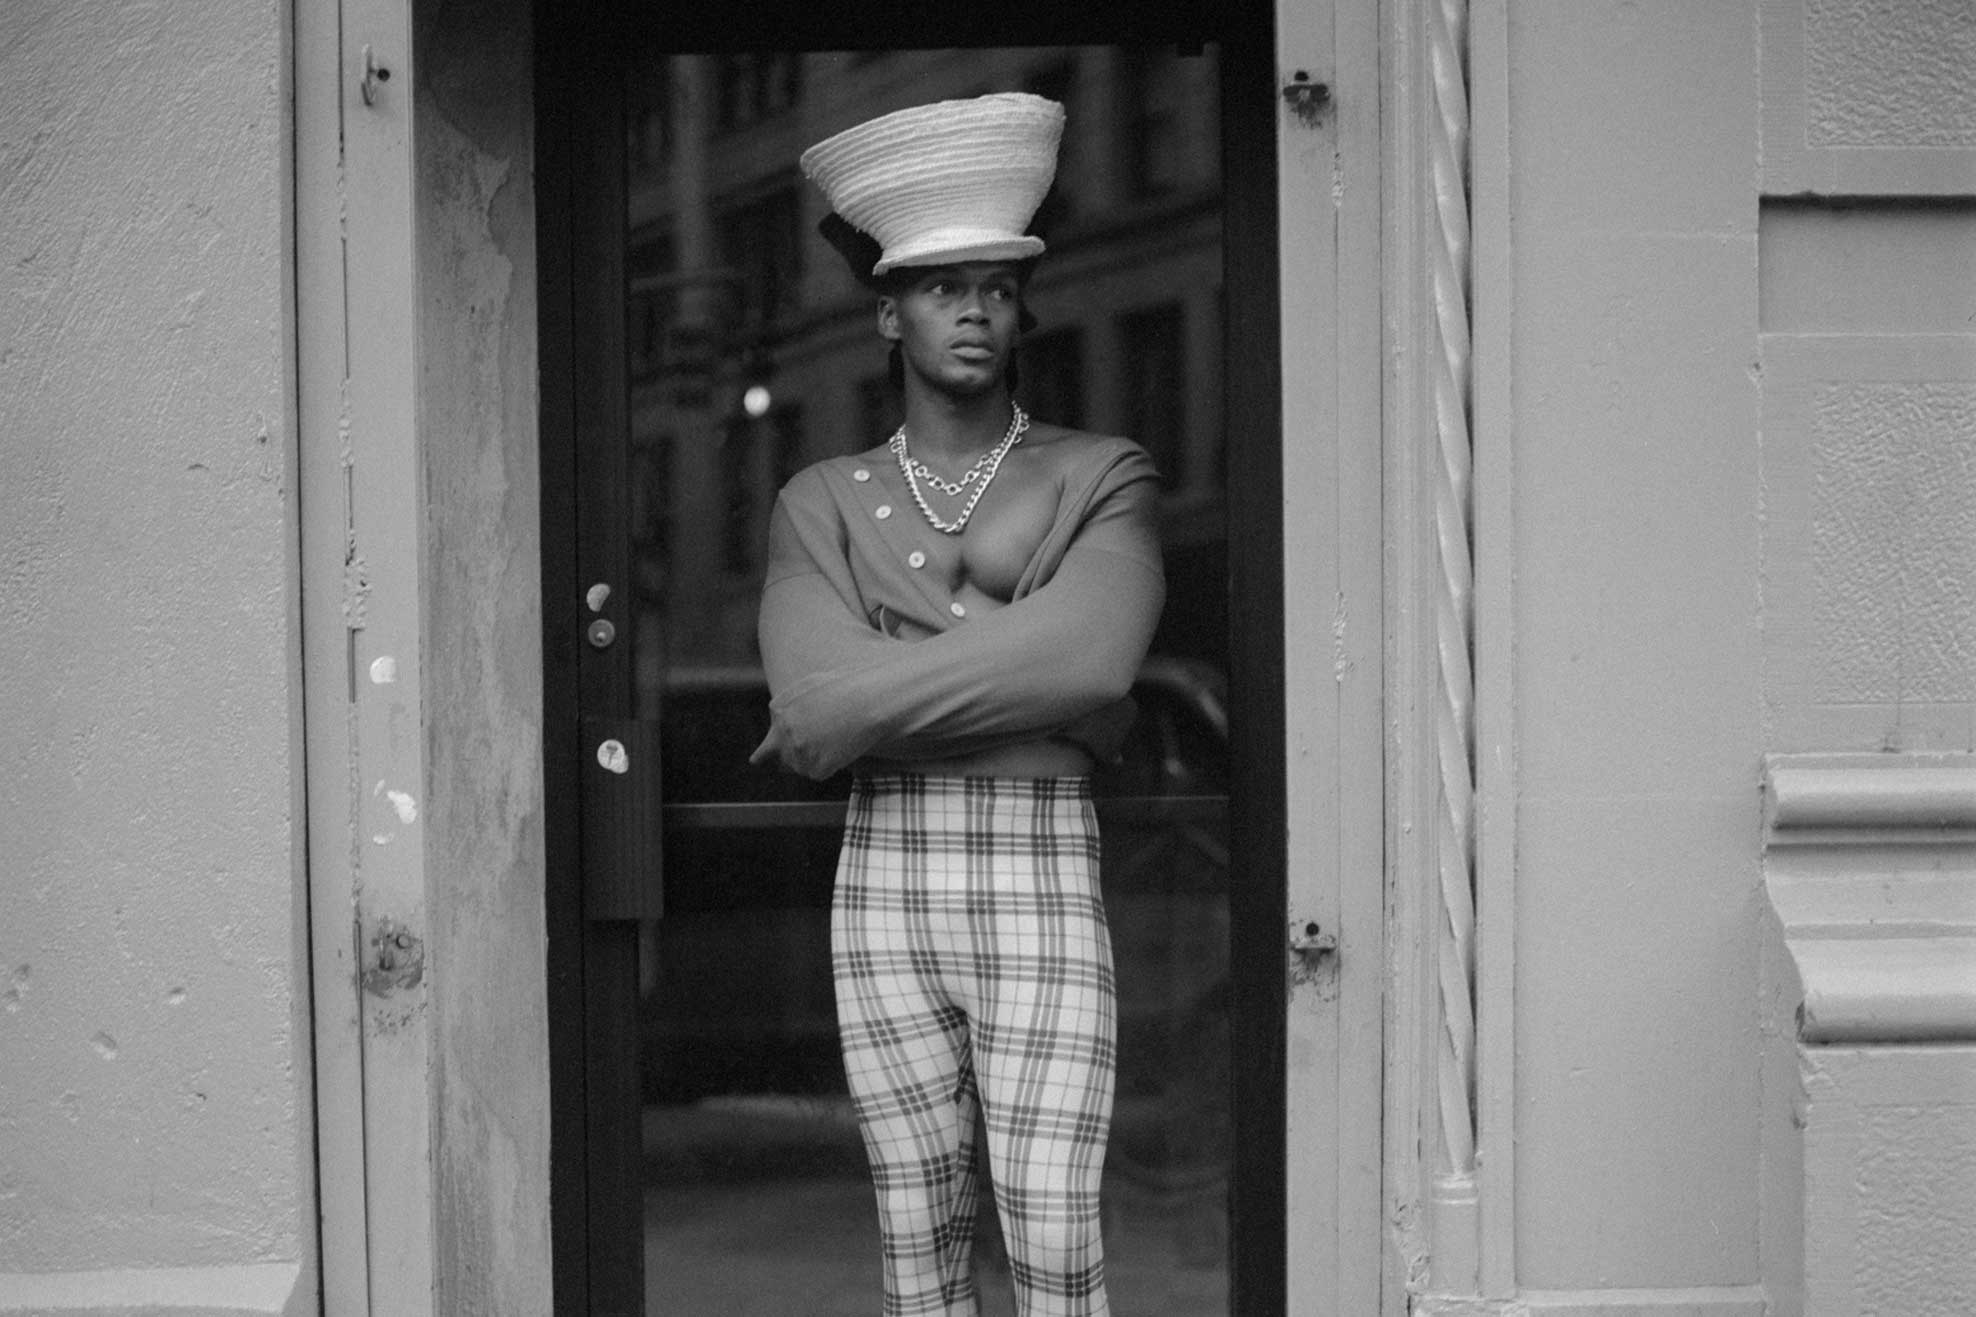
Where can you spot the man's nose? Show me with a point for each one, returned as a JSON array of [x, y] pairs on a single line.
[[974, 306]]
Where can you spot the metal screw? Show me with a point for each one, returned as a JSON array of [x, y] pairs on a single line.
[[374, 73]]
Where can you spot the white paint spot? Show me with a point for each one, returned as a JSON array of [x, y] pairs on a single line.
[[407, 808], [756, 401], [612, 756], [597, 596], [176, 997], [384, 670], [106, 1046], [381, 838]]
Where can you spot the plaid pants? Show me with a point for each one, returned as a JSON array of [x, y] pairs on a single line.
[[973, 966]]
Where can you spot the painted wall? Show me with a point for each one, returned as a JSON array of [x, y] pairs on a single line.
[[1867, 348], [1637, 643], [1743, 493], [154, 1059]]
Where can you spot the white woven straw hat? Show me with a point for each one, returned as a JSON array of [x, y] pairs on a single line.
[[947, 182]]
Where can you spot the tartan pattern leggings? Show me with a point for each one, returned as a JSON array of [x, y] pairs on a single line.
[[973, 966]]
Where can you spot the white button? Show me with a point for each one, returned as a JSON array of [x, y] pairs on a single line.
[[861, 475], [957, 608], [916, 558], [884, 511]]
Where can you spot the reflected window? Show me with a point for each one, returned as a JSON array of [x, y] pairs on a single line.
[[745, 497], [878, 412], [737, 488], [651, 263], [1057, 82], [790, 453], [756, 85], [651, 517], [761, 242], [648, 117], [1156, 140], [1154, 348], [1051, 366]]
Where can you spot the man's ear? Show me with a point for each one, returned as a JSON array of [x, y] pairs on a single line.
[[888, 319]]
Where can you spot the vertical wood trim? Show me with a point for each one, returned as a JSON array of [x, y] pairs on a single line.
[[363, 501], [1309, 166], [1412, 780], [1329, 189], [1495, 653], [1357, 670], [320, 377], [387, 501]]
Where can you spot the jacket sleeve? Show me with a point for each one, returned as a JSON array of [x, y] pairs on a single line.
[[842, 690], [812, 616]]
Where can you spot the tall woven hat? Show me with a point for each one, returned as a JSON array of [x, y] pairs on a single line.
[[947, 182]]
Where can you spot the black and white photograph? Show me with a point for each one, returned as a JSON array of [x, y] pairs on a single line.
[[1271, 658]]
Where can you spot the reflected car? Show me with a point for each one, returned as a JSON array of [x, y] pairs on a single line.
[[736, 978]]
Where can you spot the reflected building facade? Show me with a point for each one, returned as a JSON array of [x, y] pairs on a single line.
[[753, 350]]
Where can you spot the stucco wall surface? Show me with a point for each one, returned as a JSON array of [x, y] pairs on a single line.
[[1869, 376], [1890, 72], [154, 1076], [1890, 1167]]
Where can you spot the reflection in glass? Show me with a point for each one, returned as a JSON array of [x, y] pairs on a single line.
[[752, 352]]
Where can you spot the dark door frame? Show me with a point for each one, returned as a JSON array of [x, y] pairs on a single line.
[[579, 187]]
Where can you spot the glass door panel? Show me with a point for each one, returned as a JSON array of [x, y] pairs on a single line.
[[751, 352]]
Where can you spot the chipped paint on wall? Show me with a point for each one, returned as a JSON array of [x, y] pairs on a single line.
[[482, 667]]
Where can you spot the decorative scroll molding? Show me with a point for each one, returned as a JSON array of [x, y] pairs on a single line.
[[1454, 715], [1870, 868]]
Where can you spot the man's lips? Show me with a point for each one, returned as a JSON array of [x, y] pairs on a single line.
[[972, 349]]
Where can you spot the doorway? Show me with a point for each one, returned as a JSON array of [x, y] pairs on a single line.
[[700, 350]]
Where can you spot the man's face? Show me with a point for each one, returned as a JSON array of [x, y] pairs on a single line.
[[956, 324]]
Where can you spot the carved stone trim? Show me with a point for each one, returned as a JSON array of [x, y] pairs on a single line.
[[1870, 868], [1913, 797]]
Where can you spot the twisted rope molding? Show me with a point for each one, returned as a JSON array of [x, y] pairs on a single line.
[[1447, 40]]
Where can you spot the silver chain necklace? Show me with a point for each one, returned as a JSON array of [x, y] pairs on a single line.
[[978, 475]]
